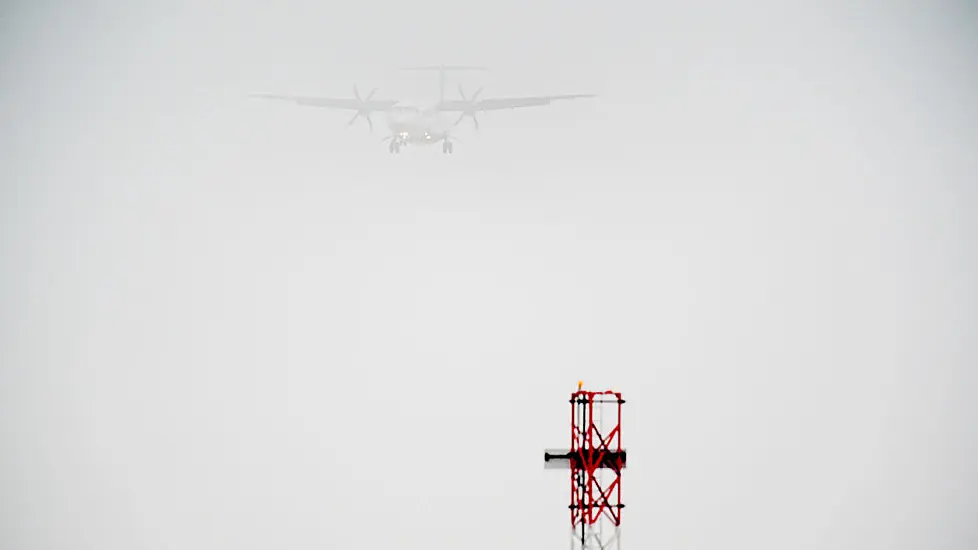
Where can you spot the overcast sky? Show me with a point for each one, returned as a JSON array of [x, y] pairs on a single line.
[[236, 324]]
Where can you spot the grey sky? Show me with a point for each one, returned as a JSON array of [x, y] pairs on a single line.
[[221, 316]]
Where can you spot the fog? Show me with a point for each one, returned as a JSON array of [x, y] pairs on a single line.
[[230, 323]]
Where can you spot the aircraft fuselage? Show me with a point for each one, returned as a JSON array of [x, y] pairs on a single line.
[[410, 125]]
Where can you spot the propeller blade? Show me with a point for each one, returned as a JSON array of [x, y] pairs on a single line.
[[370, 123], [460, 117], [354, 119], [475, 121], [371, 94], [356, 93], [461, 92], [476, 95]]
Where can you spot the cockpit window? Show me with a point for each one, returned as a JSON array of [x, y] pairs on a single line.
[[404, 109]]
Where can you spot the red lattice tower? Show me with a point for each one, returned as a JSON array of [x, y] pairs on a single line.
[[595, 450]]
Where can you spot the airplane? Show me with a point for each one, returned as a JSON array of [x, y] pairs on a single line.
[[423, 124]]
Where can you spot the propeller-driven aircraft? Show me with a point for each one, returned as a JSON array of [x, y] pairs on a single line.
[[423, 124]]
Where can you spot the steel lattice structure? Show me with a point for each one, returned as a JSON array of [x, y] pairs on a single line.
[[595, 460]]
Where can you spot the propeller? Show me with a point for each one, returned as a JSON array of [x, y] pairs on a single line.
[[363, 111], [471, 108]]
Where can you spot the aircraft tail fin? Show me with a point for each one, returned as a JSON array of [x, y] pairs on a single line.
[[443, 70]]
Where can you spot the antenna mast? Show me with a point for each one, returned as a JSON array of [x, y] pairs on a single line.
[[593, 452]]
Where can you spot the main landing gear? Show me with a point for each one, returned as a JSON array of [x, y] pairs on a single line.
[[394, 147], [447, 147]]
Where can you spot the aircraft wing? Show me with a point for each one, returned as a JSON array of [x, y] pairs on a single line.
[[501, 103], [335, 103]]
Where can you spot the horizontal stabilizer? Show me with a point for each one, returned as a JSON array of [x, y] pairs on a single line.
[[446, 68]]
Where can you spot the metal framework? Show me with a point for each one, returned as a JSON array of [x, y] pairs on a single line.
[[595, 460]]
